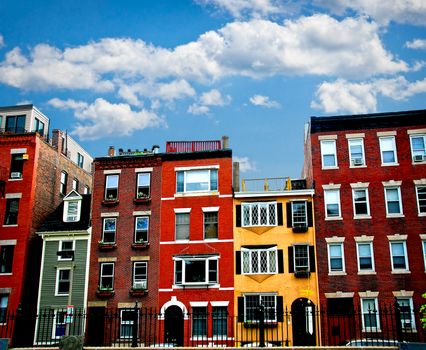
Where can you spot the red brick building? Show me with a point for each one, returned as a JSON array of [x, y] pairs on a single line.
[[32, 185], [125, 241], [196, 286], [369, 174]]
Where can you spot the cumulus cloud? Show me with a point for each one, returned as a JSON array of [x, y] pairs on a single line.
[[416, 44], [102, 118], [207, 99], [264, 101], [246, 164], [400, 11], [343, 96]]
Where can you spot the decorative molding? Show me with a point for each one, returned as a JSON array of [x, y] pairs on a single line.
[[403, 293], [360, 185], [355, 136], [331, 186], [416, 131], [112, 172], [210, 209], [144, 170], [420, 182], [364, 238], [18, 150], [143, 212], [107, 259], [386, 133], [368, 294], [335, 239], [397, 237], [391, 183], [182, 210], [13, 195], [327, 137], [139, 258], [339, 294], [110, 215]]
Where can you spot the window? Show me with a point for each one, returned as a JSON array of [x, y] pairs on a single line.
[[106, 277], [86, 190], [360, 202], [80, 160], [108, 233], [336, 262], [12, 207], [196, 270], [356, 152], [204, 180], [301, 258], [111, 187], [406, 313], [67, 250], [72, 211], [143, 185], [370, 319], [210, 225], [365, 256], [220, 321], [259, 261], [399, 256], [424, 253], [332, 203], [418, 147], [421, 199], [182, 226], [393, 201], [299, 217], [75, 185], [6, 258], [141, 229], [63, 281], [140, 275], [15, 123], [328, 153], [388, 150], [127, 319], [59, 324], [259, 214], [39, 126], [4, 300], [199, 321], [251, 307], [16, 166], [63, 187]]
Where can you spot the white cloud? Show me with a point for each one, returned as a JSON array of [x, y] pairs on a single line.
[[400, 11], [343, 96], [260, 100], [103, 119], [207, 99], [198, 110], [245, 164], [416, 44]]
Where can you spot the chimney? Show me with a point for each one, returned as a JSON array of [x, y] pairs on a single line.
[[56, 139], [225, 142], [236, 176], [111, 151]]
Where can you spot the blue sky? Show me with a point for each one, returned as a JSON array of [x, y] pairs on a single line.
[[137, 73]]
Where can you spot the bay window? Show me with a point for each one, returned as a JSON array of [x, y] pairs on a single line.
[[196, 270], [197, 180]]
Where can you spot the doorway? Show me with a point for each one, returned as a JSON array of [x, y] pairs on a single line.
[[173, 326], [303, 321]]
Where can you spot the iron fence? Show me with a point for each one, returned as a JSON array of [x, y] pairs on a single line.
[[136, 327]]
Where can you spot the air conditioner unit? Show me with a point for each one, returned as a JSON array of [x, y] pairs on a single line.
[[419, 158], [357, 161], [139, 285], [15, 175]]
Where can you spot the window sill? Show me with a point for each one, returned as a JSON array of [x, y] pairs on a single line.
[[196, 286], [110, 203], [106, 246], [366, 273], [390, 164], [141, 200], [329, 168], [422, 214], [140, 246], [138, 292], [6, 274], [357, 166], [337, 273], [211, 239], [61, 295], [333, 218], [15, 225], [362, 217], [105, 293], [391, 216], [12, 180], [419, 163], [405, 272], [196, 194]]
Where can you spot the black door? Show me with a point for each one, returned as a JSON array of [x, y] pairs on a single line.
[[95, 326], [303, 322], [173, 326]]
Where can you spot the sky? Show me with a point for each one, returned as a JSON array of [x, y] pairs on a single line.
[[132, 74]]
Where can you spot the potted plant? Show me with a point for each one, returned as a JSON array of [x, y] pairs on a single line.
[[105, 291], [106, 245]]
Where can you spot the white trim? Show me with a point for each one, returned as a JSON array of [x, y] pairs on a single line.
[[363, 238], [165, 289], [225, 196], [403, 294], [219, 303], [355, 136], [107, 259], [331, 186], [182, 210], [416, 131], [199, 303], [13, 195], [339, 294], [360, 184], [226, 288], [386, 133], [173, 302], [335, 239], [391, 183], [112, 172], [18, 150], [401, 210], [67, 202], [210, 209], [404, 246], [327, 137], [371, 270], [196, 194], [39, 289], [210, 241], [168, 199], [7, 242], [420, 182], [110, 215], [60, 246], [367, 202], [397, 237], [69, 268], [144, 170], [368, 294], [342, 250], [142, 213], [201, 167]]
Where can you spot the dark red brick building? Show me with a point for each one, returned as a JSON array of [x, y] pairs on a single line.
[[369, 174], [32, 185], [125, 240], [196, 286]]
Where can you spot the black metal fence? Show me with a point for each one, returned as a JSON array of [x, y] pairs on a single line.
[[146, 327]]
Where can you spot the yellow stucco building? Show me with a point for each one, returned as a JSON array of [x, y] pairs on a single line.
[[275, 265]]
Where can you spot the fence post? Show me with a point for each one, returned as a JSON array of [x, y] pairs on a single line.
[[398, 320], [135, 326], [261, 317]]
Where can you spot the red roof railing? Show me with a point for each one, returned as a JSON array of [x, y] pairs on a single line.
[[192, 146]]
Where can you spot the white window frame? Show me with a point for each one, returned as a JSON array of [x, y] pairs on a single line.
[[424, 252], [327, 193], [381, 141], [75, 184], [252, 214], [101, 275], [373, 313], [418, 200], [300, 268], [138, 185], [358, 257], [60, 258], [80, 160], [208, 175], [86, 190], [189, 226], [416, 152], [4, 303], [199, 318], [257, 252], [261, 296], [353, 160], [217, 224], [412, 318], [128, 323], [323, 154], [58, 272], [207, 270], [367, 202], [63, 182], [342, 256], [103, 229], [142, 281], [401, 212], [404, 245], [293, 212], [145, 217], [55, 322], [72, 218], [107, 186]]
